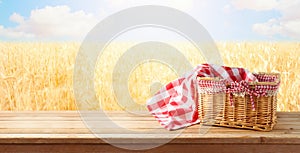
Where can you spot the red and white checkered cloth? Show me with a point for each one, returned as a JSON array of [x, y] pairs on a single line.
[[175, 105]]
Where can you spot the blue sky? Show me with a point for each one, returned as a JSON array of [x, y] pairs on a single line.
[[242, 20]]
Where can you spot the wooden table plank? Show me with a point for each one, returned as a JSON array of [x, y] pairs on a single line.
[[146, 130], [67, 128], [172, 148]]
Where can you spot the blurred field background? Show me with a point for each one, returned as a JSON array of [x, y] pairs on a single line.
[[39, 76]]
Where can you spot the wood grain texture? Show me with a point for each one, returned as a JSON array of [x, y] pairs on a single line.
[[66, 132]]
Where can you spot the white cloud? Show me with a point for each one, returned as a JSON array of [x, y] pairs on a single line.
[[15, 17], [50, 23], [290, 9], [286, 25], [269, 28], [12, 33], [56, 22]]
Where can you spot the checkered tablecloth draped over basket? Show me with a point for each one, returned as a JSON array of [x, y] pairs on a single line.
[[175, 105]]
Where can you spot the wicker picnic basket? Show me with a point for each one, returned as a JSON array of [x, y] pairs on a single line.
[[239, 104]]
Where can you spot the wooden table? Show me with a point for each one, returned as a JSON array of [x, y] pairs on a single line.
[[66, 132]]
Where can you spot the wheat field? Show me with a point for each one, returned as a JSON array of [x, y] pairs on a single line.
[[39, 76]]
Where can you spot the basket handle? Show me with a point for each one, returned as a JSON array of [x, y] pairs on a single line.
[[250, 83]]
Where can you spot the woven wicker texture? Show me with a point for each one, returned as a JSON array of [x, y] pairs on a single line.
[[250, 108]]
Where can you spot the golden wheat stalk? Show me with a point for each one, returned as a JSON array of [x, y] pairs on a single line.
[[39, 76]]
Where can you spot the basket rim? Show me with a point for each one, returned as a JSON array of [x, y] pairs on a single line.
[[250, 83]]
